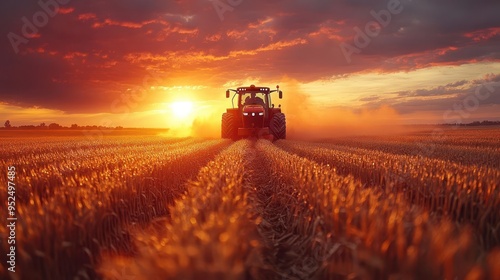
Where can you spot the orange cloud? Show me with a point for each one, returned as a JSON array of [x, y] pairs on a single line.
[[65, 11], [484, 34], [117, 23], [87, 16]]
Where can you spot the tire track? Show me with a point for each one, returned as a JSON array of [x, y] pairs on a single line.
[[285, 249]]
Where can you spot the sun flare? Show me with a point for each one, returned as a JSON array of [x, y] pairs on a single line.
[[181, 109]]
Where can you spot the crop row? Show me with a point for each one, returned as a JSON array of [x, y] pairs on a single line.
[[428, 148], [79, 151], [483, 138], [480, 138], [14, 148], [87, 168], [467, 194], [69, 217], [364, 232], [212, 232]]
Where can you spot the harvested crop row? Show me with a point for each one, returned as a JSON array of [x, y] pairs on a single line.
[[467, 155], [77, 154], [212, 232], [62, 235], [88, 168], [13, 149], [467, 194], [483, 138], [480, 137], [360, 232]]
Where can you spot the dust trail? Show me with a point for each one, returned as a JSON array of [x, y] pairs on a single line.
[[305, 120], [207, 127]]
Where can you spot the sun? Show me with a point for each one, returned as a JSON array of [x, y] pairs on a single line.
[[181, 109]]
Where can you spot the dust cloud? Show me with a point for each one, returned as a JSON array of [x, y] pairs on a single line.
[[201, 127], [308, 121], [207, 127]]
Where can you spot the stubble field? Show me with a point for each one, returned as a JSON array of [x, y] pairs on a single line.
[[413, 206]]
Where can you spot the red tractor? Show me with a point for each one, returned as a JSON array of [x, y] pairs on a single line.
[[255, 115]]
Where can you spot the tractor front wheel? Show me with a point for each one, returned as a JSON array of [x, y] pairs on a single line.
[[229, 129], [278, 126]]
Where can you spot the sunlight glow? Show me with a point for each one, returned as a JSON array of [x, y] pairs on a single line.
[[181, 109]]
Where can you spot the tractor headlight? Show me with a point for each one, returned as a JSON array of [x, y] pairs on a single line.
[[245, 114], [261, 114]]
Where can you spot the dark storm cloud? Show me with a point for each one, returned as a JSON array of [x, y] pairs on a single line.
[[88, 56]]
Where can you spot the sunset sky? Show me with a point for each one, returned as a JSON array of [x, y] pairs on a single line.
[[125, 62]]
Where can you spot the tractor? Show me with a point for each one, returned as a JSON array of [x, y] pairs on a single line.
[[255, 115]]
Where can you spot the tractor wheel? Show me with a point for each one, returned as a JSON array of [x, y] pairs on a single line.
[[229, 130], [278, 126]]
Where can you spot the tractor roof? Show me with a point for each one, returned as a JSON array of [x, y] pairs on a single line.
[[254, 88]]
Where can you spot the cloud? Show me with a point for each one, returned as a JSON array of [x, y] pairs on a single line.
[[92, 53], [369, 98], [457, 84], [483, 93]]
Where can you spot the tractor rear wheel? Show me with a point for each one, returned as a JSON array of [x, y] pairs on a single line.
[[229, 129], [278, 126]]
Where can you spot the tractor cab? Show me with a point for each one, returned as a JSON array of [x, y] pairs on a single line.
[[249, 97]]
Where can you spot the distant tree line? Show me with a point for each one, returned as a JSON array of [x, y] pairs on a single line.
[[476, 123], [54, 126]]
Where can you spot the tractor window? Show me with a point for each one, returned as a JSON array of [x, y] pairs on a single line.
[[254, 99]]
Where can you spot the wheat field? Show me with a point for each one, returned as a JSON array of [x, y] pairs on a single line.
[[151, 207]]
